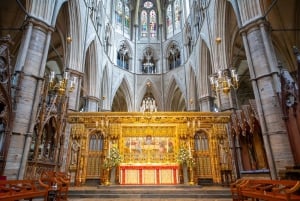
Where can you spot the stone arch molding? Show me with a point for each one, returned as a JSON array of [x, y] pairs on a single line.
[[154, 90], [171, 89], [124, 85]]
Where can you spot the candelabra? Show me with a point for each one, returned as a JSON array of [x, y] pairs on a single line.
[[224, 80], [63, 86]]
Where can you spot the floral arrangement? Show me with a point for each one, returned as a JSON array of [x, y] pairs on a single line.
[[184, 157], [113, 159]]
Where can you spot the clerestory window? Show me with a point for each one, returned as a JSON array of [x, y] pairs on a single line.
[[148, 20], [173, 17], [122, 16]]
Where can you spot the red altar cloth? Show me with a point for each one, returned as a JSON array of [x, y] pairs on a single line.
[[145, 174]]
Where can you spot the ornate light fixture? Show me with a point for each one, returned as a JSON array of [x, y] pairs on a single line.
[[64, 85], [224, 80]]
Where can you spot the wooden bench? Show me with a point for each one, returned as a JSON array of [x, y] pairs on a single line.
[[270, 190], [56, 181], [11, 190], [234, 187]]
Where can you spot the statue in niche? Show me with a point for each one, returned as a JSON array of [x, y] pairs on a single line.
[[107, 37], [74, 154], [188, 38]]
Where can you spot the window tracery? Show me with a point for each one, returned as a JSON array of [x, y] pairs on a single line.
[[148, 20], [148, 64], [173, 17], [122, 16], [123, 57], [174, 57]]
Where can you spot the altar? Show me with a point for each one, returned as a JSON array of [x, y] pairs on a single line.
[[146, 174]]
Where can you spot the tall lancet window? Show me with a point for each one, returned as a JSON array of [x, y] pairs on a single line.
[[177, 13], [173, 17], [122, 16], [152, 24], [144, 26], [169, 20], [148, 20], [127, 20], [119, 14]]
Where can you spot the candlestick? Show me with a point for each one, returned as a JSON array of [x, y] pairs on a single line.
[[108, 149], [167, 145]]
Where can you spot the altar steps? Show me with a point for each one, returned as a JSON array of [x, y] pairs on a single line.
[[162, 191]]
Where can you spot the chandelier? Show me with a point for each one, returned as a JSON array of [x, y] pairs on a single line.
[[224, 80], [63, 86]]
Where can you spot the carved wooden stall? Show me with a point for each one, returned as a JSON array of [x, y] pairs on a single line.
[[6, 104]]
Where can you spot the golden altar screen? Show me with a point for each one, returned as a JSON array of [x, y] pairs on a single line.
[[149, 145]]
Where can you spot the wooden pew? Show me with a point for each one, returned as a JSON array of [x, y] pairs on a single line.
[[64, 180], [270, 190], [234, 187], [57, 182], [11, 190]]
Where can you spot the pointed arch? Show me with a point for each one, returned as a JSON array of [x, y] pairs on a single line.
[[122, 100], [124, 55], [173, 55], [175, 98], [91, 75], [153, 90], [77, 36]]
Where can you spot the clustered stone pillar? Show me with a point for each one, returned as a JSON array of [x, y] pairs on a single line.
[[261, 58], [30, 67]]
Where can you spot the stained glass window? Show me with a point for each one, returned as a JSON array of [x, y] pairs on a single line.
[[173, 17], [169, 20], [148, 19], [152, 26], [144, 23], [122, 16], [148, 4], [177, 14], [127, 19], [119, 13]]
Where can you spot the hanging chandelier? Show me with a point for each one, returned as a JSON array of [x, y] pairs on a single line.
[[224, 80]]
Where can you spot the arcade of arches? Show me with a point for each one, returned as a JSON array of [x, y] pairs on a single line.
[[150, 91]]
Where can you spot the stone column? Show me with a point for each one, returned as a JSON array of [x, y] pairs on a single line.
[[205, 103], [30, 67], [264, 76], [92, 104]]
